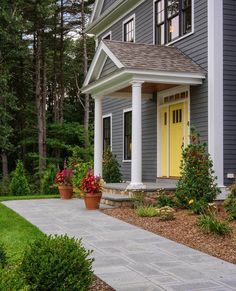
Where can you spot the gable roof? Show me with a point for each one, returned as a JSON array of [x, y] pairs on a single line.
[[149, 63], [152, 57]]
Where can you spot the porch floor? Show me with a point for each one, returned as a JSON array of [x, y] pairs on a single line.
[[167, 184]]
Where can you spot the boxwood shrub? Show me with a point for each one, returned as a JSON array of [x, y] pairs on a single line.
[[57, 263]]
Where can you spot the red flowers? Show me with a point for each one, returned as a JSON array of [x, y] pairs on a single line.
[[64, 177], [91, 184]]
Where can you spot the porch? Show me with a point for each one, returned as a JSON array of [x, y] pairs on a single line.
[[137, 71]]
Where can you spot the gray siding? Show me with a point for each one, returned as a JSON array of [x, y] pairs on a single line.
[[229, 47], [195, 46], [109, 68], [149, 120], [107, 4]]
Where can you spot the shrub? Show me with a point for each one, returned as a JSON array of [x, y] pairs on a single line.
[[57, 263], [198, 207], [146, 211], [3, 256], [80, 171], [138, 198], [164, 199], [11, 279], [210, 224], [111, 168], [19, 184], [197, 180], [5, 187], [47, 181], [230, 203], [166, 213]]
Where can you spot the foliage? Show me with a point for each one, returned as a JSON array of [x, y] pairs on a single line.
[[3, 256], [47, 181], [163, 199], [198, 207], [5, 187], [111, 168], [65, 176], [166, 213], [230, 203], [19, 184], [138, 198], [11, 279], [92, 184], [197, 180], [80, 171], [57, 263], [209, 223], [146, 211]]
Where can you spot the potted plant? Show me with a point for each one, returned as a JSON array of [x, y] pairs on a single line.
[[92, 188], [64, 181]]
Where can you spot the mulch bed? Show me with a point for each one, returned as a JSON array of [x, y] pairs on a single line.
[[100, 285], [185, 231]]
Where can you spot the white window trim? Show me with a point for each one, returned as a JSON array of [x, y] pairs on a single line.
[[162, 95], [123, 26], [178, 39], [105, 116], [107, 34], [123, 145]]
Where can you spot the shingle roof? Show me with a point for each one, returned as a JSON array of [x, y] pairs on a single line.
[[152, 57]]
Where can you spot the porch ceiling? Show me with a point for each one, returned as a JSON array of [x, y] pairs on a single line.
[[158, 67]]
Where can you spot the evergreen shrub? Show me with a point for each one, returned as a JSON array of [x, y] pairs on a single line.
[[47, 181], [111, 168], [197, 180], [57, 263], [230, 203], [19, 185]]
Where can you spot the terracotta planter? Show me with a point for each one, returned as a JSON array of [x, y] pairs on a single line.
[[92, 201], [66, 192]]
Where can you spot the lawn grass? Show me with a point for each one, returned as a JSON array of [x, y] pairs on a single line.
[[7, 198], [16, 233]]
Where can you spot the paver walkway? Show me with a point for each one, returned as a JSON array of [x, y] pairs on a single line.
[[127, 257]]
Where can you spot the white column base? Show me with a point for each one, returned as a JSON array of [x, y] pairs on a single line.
[[224, 193], [136, 186]]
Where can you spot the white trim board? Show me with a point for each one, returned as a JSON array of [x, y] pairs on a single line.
[[215, 87]]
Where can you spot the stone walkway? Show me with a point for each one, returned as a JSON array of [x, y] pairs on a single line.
[[127, 257]]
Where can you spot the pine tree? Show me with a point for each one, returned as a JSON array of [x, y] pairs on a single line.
[[19, 184]]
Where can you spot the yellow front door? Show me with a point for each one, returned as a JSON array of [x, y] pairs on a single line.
[[177, 136]]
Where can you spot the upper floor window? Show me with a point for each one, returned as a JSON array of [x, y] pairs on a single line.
[[129, 30], [173, 19]]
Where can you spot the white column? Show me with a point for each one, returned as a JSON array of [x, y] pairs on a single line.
[[215, 87], [136, 163], [98, 141]]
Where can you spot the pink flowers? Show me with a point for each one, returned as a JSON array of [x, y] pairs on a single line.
[[64, 177], [92, 184]]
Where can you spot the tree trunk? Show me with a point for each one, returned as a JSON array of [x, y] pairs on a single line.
[[40, 102], [4, 165], [85, 58], [62, 85]]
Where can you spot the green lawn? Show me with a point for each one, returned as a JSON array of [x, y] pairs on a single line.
[[6, 198], [15, 233]]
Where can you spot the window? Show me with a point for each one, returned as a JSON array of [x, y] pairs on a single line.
[[129, 30], [173, 19], [127, 135], [106, 133]]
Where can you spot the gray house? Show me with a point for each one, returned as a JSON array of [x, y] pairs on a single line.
[[161, 66]]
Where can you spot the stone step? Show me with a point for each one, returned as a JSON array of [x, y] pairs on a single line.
[[116, 200]]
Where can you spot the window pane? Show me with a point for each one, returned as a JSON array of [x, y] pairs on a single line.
[[161, 34], [127, 135], [186, 3], [160, 12], [106, 133], [173, 28], [129, 31], [187, 20], [172, 7]]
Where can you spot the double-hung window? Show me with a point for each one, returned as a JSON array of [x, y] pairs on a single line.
[[129, 30], [106, 133], [173, 19], [127, 135]]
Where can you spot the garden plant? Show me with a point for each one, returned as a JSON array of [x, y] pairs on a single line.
[[19, 185]]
